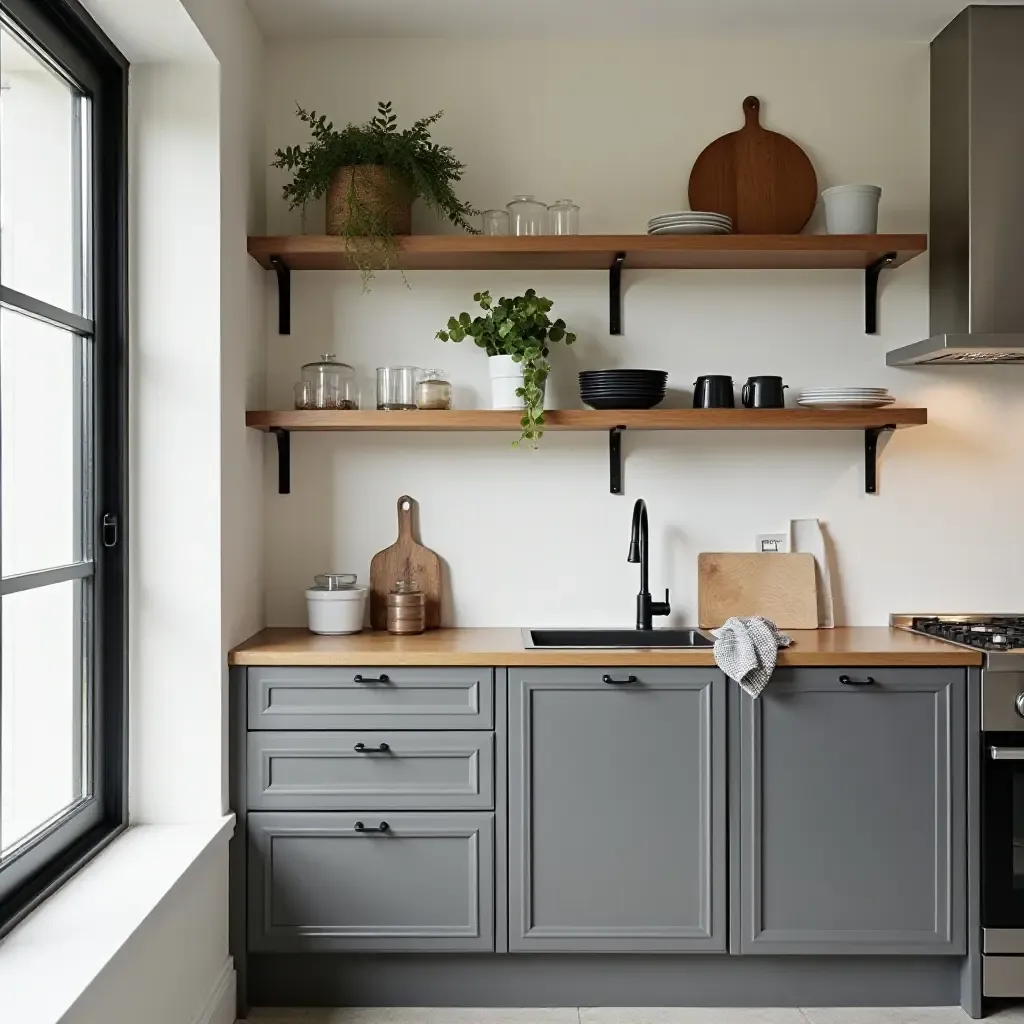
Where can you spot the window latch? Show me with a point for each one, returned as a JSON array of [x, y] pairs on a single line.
[[109, 530]]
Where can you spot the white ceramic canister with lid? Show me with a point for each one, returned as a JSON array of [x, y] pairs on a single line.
[[336, 605]]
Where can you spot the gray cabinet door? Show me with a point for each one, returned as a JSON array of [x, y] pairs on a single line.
[[371, 698], [852, 812], [405, 771], [617, 810], [317, 884]]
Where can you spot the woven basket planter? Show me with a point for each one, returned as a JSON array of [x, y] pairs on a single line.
[[357, 191]]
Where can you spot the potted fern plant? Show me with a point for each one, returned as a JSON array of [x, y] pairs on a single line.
[[517, 334], [371, 173]]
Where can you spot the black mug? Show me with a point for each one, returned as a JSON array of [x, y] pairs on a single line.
[[714, 392], [764, 393]]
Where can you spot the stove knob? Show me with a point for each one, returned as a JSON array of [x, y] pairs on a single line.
[[1019, 703]]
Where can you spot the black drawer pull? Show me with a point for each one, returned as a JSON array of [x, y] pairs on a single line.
[[362, 748], [382, 827], [619, 682], [370, 679], [847, 681]]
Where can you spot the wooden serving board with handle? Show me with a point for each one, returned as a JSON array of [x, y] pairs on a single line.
[[760, 179], [405, 560], [781, 587]]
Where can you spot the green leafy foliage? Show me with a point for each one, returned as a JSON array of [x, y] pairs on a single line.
[[521, 328], [428, 170]]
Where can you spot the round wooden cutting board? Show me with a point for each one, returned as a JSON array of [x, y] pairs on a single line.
[[760, 179]]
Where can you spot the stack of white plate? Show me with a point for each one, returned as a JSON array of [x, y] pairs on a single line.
[[845, 398], [689, 222]]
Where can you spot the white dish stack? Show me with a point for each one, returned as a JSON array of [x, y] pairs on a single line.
[[845, 398], [690, 222]]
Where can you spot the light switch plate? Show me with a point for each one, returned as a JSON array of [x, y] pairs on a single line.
[[772, 543]]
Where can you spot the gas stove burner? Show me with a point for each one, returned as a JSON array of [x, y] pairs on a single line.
[[998, 633]]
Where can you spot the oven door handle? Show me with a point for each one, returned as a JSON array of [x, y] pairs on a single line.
[[1006, 753]]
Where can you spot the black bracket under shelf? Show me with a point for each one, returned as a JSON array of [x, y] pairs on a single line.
[[284, 459], [615, 294], [284, 295], [871, 438], [871, 275], [615, 460]]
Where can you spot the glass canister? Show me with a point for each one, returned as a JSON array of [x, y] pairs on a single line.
[[495, 222], [396, 387], [433, 390], [527, 216], [407, 608], [563, 218], [332, 384]]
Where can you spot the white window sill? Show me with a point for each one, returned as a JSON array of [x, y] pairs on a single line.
[[48, 961]]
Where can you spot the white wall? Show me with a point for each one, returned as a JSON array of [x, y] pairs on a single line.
[[535, 537]]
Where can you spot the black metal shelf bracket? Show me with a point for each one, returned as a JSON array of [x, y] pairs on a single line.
[[284, 295], [615, 294], [615, 460], [871, 438], [871, 275], [284, 459]]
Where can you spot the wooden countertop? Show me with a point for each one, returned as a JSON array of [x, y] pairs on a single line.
[[856, 646]]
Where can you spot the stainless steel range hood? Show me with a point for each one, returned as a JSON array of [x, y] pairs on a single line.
[[976, 241]]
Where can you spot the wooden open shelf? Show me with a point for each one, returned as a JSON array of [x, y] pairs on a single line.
[[585, 419], [874, 423], [599, 252]]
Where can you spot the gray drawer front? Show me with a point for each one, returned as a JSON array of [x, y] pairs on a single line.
[[318, 885], [323, 771], [371, 698]]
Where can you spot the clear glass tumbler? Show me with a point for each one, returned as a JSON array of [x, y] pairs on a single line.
[[495, 222], [564, 218], [528, 216], [396, 387]]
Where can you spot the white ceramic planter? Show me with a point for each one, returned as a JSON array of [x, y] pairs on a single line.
[[506, 377], [336, 611], [851, 209]]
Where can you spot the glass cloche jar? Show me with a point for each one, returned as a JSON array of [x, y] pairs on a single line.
[[332, 384]]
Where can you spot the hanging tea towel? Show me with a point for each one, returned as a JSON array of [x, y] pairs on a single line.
[[746, 649]]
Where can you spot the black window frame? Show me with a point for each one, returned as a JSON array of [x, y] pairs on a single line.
[[73, 42]]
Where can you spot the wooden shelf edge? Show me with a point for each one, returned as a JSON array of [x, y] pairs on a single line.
[[584, 420]]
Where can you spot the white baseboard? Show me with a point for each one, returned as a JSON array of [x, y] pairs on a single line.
[[219, 1005]]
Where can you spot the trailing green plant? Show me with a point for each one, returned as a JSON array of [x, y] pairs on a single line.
[[521, 328], [427, 170]]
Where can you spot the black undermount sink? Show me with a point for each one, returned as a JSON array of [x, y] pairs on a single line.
[[601, 638]]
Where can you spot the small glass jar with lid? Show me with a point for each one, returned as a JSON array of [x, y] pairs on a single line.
[[433, 390], [527, 216], [332, 384], [564, 218]]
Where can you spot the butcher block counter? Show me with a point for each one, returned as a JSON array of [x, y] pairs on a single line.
[[844, 646]]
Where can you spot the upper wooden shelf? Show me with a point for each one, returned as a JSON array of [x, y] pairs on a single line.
[[599, 252], [585, 419]]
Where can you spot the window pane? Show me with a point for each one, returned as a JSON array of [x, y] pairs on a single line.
[[40, 438], [41, 708], [41, 185]]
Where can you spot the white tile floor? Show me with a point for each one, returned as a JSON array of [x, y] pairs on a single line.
[[626, 1015]]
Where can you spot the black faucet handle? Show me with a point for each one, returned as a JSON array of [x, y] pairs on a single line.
[[661, 607]]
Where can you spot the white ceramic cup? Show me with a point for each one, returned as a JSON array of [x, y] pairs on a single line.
[[336, 611], [851, 209]]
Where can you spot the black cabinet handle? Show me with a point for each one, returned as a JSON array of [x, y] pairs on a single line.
[[370, 679], [847, 681], [619, 682], [362, 748], [382, 827]]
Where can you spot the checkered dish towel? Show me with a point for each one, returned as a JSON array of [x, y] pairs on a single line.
[[746, 649]]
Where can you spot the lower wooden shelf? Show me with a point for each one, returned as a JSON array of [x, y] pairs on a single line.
[[874, 423]]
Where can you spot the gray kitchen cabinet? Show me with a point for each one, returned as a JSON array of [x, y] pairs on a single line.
[[405, 771], [852, 812], [318, 884], [371, 698], [617, 810]]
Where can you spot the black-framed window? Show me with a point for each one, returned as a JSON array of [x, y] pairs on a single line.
[[63, 404]]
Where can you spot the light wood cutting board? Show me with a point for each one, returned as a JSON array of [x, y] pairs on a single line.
[[405, 560], [780, 587]]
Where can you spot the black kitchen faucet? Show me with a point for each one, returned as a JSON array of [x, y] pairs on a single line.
[[639, 542]]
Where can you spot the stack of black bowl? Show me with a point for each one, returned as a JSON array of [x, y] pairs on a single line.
[[623, 389]]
